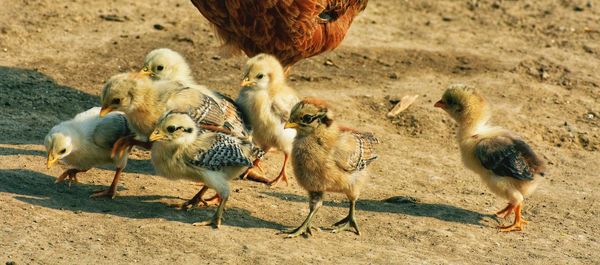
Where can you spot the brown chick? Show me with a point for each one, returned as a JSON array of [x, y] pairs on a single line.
[[328, 158], [266, 101], [506, 164], [290, 30]]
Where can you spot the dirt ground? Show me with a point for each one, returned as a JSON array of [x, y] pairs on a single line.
[[537, 62]]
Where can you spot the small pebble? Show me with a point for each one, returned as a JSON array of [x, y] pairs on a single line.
[[158, 27]]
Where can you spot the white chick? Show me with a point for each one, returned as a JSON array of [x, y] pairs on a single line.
[[85, 142]]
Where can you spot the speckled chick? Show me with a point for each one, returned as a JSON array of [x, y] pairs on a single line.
[[180, 151]]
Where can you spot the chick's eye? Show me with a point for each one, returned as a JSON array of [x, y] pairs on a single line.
[[259, 76], [307, 118], [116, 101], [160, 68], [62, 151], [171, 129]]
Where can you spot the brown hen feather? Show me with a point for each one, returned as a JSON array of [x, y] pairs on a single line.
[[290, 30]]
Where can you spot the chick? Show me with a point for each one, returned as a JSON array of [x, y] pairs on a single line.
[[266, 101], [182, 151], [506, 164], [144, 101], [328, 158], [165, 63], [86, 142], [168, 65]]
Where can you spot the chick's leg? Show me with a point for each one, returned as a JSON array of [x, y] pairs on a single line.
[[506, 211], [349, 222], [70, 175], [282, 175], [316, 201], [124, 145], [198, 199], [112, 191], [518, 224], [252, 174], [218, 216]]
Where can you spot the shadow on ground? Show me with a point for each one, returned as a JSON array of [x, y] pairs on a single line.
[[31, 103], [39, 189], [402, 205]]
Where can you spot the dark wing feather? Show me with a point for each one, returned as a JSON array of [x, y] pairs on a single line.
[[110, 128], [208, 112], [226, 151], [362, 152], [290, 30], [508, 156], [234, 120]]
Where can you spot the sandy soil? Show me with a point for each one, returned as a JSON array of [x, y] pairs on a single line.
[[537, 62]]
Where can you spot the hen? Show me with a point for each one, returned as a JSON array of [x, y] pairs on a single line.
[[290, 30]]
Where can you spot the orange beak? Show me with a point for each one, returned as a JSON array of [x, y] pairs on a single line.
[[440, 104], [105, 110]]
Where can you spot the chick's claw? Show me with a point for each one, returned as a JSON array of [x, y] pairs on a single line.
[[346, 224], [70, 175], [104, 193], [302, 230]]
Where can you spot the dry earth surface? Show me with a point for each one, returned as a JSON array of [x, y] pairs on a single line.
[[537, 62]]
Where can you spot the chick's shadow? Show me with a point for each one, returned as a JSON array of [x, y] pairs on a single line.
[[39, 189], [403, 205]]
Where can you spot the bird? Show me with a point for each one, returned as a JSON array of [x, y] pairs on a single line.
[[166, 64], [181, 150], [85, 142], [328, 158], [144, 100], [290, 30], [503, 160], [266, 101]]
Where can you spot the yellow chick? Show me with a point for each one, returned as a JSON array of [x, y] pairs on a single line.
[[506, 164], [85, 142], [266, 101], [144, 101], [182, 151], [328, 158], [166, 64]]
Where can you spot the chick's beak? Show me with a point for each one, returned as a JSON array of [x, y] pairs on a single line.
[[292, 125], [51, 160], [440, 104], [105, 110], [145, 71], [156, 136], [247, 82]]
